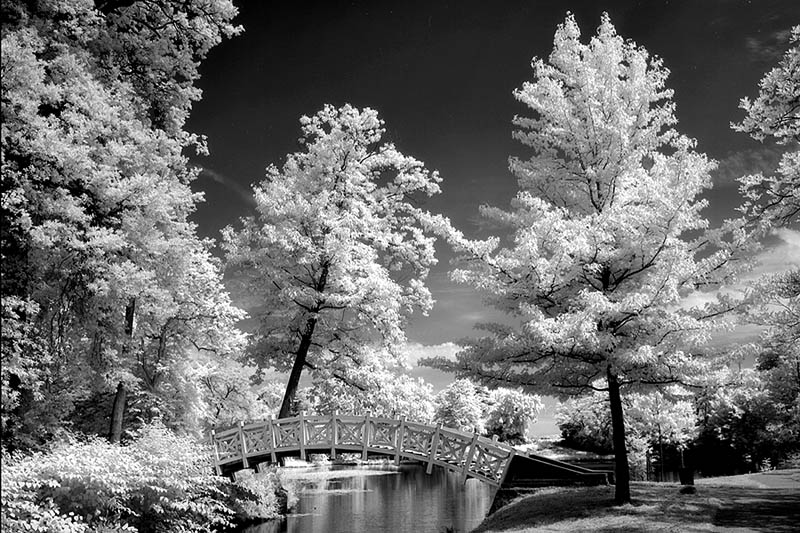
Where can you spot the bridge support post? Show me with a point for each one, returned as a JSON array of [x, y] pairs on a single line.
[[366, 436], [507, 467], [273, 455], [334, 433], [434, 445], [398, 440], [244, 445], [302, 435], [216, 452], [468, 460]]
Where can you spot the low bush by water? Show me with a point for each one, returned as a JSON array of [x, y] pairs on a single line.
[[158, 482]]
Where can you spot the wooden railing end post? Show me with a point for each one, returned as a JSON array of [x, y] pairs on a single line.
[[334, 433], [302, 426], [243, 445], [398, 440], [434, 445], [468, 460]]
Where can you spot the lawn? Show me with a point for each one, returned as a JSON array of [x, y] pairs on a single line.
[[737, 503]]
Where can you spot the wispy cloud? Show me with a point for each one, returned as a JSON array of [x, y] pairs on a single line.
[[780, 253], [770, 47], [763, 159], [416, 351], [437, 378], [783, 255], [482, 226], [245, 194]]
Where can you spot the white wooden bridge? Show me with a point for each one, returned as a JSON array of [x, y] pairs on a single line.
[[471, 455]]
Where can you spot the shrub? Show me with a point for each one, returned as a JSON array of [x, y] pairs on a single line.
[[159, 482], [256, 497]]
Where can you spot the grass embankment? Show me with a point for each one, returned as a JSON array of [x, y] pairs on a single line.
[[767, 502]]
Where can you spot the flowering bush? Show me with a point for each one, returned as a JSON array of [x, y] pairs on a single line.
[[160, 482]]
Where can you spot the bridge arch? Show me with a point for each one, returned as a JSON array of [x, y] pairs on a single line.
[[469, 454]]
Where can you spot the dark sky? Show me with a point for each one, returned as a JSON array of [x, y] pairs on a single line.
[[441, 74]]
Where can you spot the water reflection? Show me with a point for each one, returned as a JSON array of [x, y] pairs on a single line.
[[355, 499]]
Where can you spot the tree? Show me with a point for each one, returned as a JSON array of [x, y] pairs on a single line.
[[336, 255], [775, 115], [96, 198], [585, 422], [383, 392], [223, 391], [664, 419], [738, 427], [509, 414], [652, 420], [774, 201], [461, 406], [602, 248]]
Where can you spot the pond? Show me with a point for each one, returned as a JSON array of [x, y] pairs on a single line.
[[339, 499]]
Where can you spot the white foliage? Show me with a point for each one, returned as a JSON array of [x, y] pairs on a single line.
[[602, 251], [775, 115], [337, 252]]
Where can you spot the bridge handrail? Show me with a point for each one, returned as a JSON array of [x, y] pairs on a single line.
[[470, 454]]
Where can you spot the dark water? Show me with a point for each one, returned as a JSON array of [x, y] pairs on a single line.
[[355, 499]]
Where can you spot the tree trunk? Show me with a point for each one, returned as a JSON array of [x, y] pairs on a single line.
[[661, 453], [302, 351], [297, 369], [117, 413], [118, 410], [622, 492]]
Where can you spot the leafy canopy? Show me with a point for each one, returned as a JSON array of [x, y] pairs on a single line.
[[607, 235], [336, 256]]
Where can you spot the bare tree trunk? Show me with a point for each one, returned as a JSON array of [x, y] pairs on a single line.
[[622, 492], [302, 351], [661, 452], [121, 397], [117, 413], [297, 369]]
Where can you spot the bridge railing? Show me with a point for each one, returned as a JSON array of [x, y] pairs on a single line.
[[467, 453]]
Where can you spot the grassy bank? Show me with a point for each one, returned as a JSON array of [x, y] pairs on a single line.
[[719, 505]]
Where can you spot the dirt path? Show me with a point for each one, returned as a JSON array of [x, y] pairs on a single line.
[[775, 479], [775, 508]]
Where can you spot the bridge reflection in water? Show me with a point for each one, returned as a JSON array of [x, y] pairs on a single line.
[[468, 454]]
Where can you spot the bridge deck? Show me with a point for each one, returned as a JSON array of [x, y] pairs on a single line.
[[469, 454]]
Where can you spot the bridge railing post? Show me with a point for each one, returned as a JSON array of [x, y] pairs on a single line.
[[271, 429], [334, 433], [506, 468], [216, 451], [366, 435], [243, 442], [468, 460], [398, 440], [302, 435], [434, 445]]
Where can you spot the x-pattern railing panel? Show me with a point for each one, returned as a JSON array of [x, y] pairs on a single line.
[[229, 447], [489, 461], [383, 433], [287, 434], [319, 432], [452, 447], [258, 439], [350, 433], [417, 440]]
